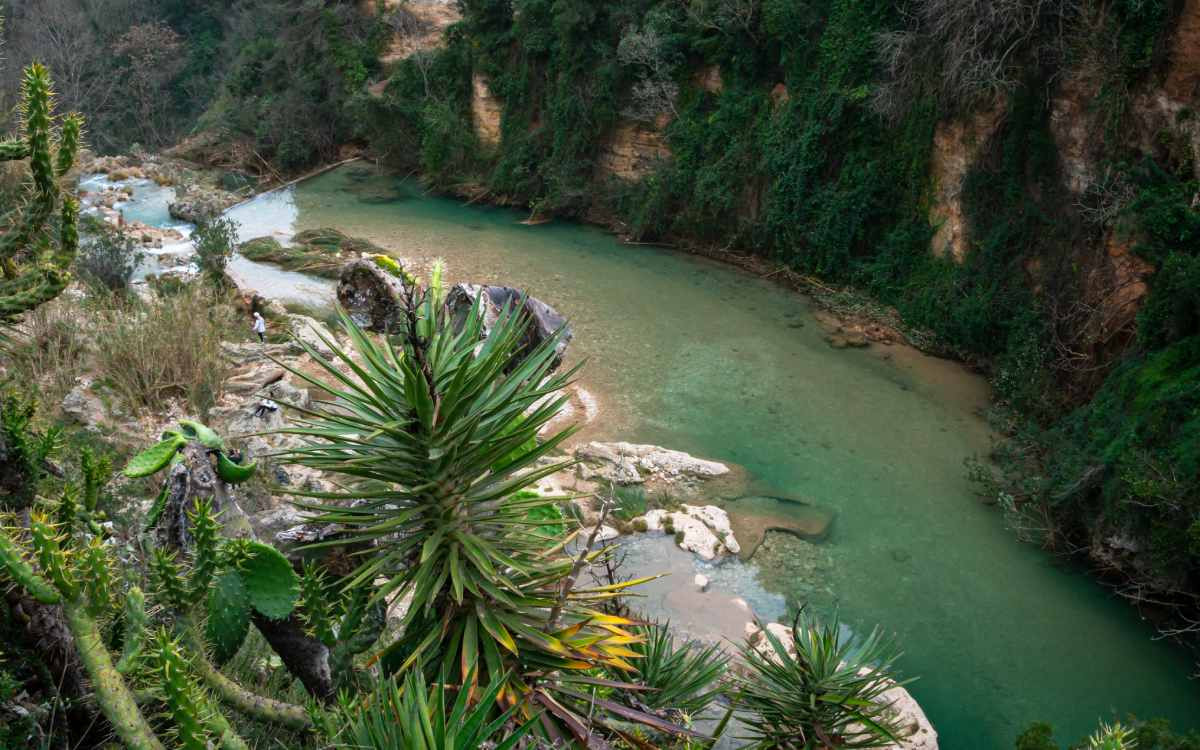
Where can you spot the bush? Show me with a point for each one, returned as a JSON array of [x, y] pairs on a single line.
[[108, 256], [214, 240]]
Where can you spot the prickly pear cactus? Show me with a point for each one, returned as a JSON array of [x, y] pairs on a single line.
[[33, 263]]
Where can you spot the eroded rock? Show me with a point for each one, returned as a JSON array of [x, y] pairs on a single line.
[[544, 320], [370, 295], [755, 515]]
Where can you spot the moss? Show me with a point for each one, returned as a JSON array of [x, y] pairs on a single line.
[[639, 525]]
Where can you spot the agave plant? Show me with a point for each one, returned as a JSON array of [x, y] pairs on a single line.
[[826, 691], [439, 425], [407, 716], [682, 677]]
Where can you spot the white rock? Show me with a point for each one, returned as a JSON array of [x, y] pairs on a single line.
[[693, 535], [701, 529], [629, 463], [605, 533], [311, 332], [717, 520], [655, 519], [701, 581]]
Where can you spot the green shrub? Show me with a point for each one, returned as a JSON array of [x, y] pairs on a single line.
[[108, 256]]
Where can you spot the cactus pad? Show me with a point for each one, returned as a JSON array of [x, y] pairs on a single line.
[[233, 473], [271, 584], [155, 458], [228, 616]]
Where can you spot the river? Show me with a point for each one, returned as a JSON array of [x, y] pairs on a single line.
[[694, 355]]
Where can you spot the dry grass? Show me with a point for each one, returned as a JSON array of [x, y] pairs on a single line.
[[50, 349], [144, 354], [170, 348]]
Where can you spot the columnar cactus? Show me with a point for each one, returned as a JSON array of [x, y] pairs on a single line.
[[63, 557], [33, 264]]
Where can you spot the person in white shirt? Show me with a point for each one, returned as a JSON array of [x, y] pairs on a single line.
[[260, 327]]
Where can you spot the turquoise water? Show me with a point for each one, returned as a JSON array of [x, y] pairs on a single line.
[[694, 355]]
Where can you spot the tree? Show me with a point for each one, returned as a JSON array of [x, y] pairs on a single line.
[[215, 239], [153, 55]]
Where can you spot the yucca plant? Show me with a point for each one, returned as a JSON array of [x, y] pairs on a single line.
[[824, 692], [440, 425], [1112, 737], [682, 676], [410, 717]]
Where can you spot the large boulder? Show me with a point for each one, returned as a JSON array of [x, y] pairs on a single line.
[[370, 295], [544, 320]]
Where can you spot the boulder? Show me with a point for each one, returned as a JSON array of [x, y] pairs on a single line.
[[84, 407], [544, 320], [700, 529], [629, 463], [370, 295]]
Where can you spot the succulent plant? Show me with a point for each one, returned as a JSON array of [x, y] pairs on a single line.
[[33, 264]]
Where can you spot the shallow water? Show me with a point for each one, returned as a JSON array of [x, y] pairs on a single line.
[[697, 356]]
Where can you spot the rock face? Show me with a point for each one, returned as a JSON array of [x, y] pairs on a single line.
[[544, 320], [629, 463], [956, 146], [368, 293], [486, 111], [917, 733], [631, 151]]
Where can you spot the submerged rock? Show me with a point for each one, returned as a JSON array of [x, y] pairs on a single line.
[[755, 515], [544, 320]]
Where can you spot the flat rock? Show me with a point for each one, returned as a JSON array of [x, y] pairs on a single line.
[[311, 332], [753, 516], [630, 463]]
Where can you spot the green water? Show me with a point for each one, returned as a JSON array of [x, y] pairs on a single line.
[[693, 355]]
